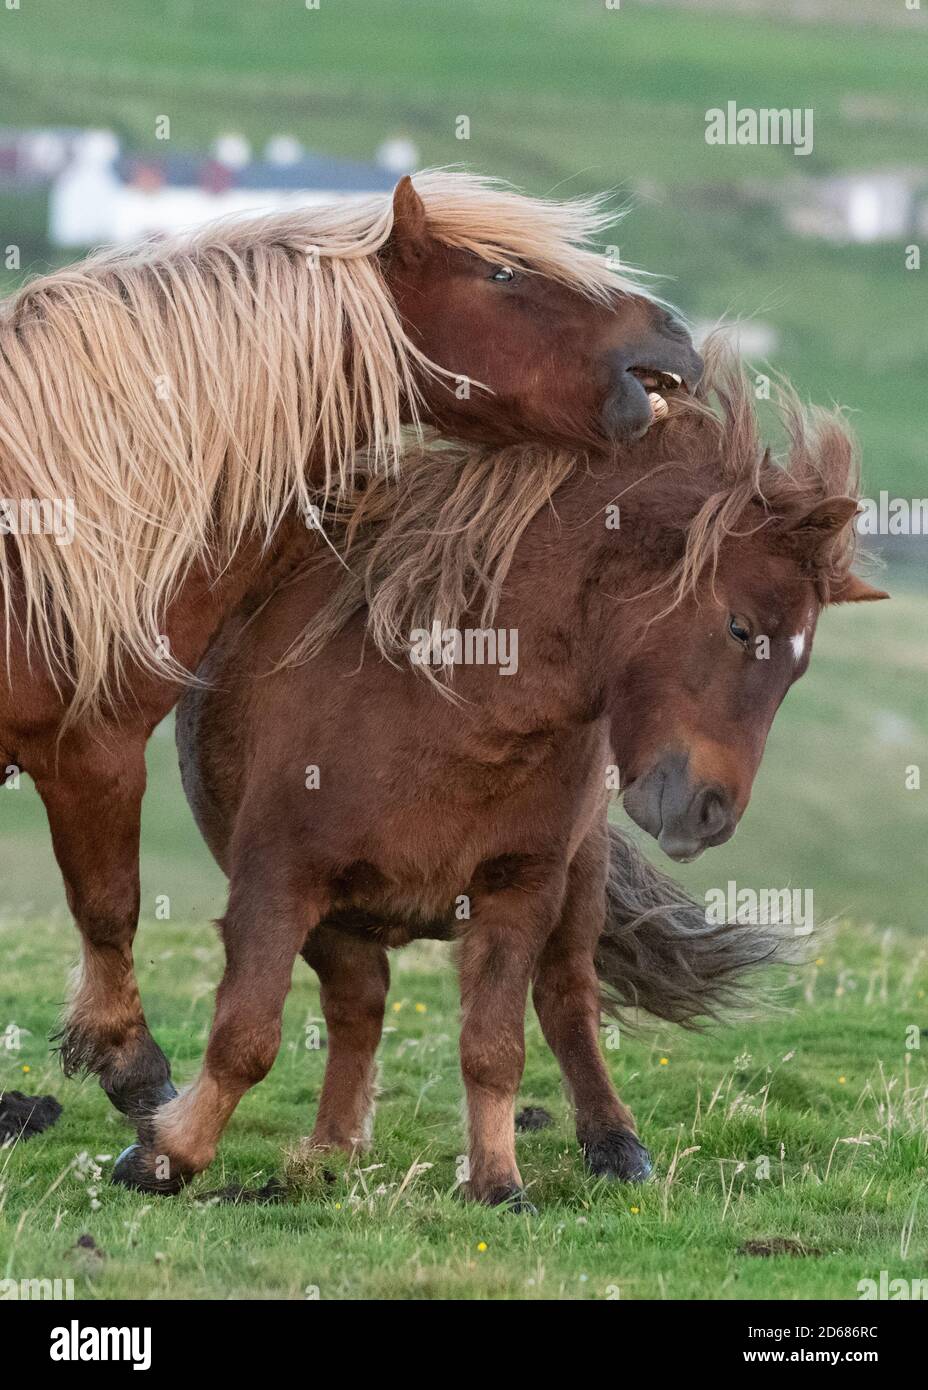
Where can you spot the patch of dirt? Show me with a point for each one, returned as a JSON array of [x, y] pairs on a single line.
[[532, 1117], [86, 1253], [776, 1245], [21, 1116], [272, 1191]]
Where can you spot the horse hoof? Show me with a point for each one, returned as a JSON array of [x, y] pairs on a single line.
[[520, 1205], [618, 1154], [141, 1101], [134, 1168], [510, 1199]]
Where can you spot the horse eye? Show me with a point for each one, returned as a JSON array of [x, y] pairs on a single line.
[[503, 275], [738, 630]]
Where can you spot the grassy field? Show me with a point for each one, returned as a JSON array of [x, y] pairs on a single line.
[[825, 1091], [830, 1079]]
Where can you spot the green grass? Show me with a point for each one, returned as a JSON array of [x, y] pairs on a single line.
[[825, 1090], [830, 812]]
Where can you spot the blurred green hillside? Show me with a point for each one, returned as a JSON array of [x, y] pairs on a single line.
[[561, 98]]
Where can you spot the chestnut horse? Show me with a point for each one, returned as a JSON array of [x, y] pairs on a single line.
[[183, 399], [353, 808]]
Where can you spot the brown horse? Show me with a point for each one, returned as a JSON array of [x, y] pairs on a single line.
[[180, 401], [354, 808]]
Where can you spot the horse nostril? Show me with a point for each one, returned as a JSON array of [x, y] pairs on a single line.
[[672, 326], [710, 811]]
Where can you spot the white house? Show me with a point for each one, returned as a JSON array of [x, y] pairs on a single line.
[[859, 207], [32, 156], [102, 197]]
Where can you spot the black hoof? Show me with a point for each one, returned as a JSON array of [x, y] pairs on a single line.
[[140, 1101], [531, 1118], [510, 1199], [520, 1205], [619, 1154], [137, 1168]]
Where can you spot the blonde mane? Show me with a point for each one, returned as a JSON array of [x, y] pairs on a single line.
[[432, 544], [745, 479], [437, 543], [173, 393]]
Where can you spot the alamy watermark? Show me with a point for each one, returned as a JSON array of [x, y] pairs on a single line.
[[35, 1290], [761, 907], [38, 516], [764, 125], [884, 515], [470, 646], [892, 1290], [76, 1343]]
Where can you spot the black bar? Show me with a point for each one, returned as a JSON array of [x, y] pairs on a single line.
[[215, 1336]]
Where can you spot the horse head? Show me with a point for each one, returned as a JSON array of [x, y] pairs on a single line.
[[536, 335], [749, 552]]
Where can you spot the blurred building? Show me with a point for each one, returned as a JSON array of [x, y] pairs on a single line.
[[860, 206], [101, 196], [35, 156], [855, 207]]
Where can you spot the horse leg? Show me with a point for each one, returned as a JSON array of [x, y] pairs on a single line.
[[497, 958], [354, 977], [262, 931], [93, 794], [567, 1000]]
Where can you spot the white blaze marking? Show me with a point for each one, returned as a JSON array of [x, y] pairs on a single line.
[[798, 644]]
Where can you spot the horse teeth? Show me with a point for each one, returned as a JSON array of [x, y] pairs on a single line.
[[659, 406], [678, 379]]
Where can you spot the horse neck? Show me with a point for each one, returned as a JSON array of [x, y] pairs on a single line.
[[249, 576], [572, 633]]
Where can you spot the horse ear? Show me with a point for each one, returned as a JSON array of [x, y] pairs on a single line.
[[409, 236], [825, 519], [853, 590]]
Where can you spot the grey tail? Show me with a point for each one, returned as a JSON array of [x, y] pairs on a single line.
[[657, 952]]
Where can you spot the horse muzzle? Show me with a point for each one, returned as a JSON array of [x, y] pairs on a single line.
[[642, 377], [684, 816]]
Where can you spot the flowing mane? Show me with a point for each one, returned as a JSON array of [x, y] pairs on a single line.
[[437, 542], [173, 392]]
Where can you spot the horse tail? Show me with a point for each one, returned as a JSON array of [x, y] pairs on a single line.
[[658, 953]]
